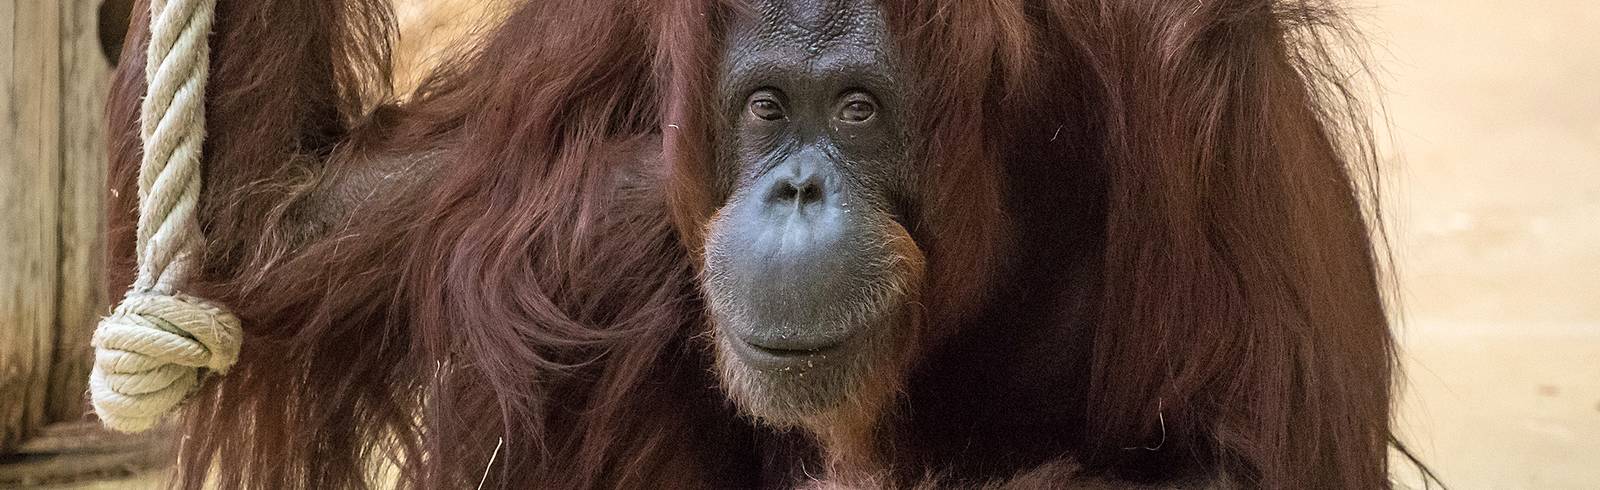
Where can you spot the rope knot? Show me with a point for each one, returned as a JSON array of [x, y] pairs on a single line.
[[150, 353]]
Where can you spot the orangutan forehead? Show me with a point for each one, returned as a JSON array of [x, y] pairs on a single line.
[[814, 23]]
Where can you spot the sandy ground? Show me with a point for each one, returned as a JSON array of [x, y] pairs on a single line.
[[1493, 199]]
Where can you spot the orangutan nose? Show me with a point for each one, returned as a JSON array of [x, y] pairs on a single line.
[[804, 183]]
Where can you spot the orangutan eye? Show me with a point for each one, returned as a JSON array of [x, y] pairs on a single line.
[[858, 107], [764, 104], [856, 111]]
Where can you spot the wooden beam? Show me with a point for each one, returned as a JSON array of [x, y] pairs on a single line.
[[85, 76], [83, 451], [30, 160], [53, 82]]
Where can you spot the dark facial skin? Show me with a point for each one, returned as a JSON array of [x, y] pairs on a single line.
[[810, 276]]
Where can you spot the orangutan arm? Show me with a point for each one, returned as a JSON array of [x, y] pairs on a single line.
[[345, 193], [1062, 474], [1067, 474]]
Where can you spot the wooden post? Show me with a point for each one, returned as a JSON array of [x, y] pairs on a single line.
[[30, 161], [53, 80], [81, 292], [52, 161]]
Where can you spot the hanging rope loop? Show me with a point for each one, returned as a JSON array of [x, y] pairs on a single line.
[[153, 350]]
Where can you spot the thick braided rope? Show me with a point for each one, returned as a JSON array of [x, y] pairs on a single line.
[[153, 349]]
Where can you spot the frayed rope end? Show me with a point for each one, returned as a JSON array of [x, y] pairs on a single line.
[[151, 353]]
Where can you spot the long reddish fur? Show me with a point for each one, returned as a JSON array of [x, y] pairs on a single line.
[[1189, 160]]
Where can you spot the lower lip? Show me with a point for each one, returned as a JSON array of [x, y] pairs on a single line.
[[781, 359]]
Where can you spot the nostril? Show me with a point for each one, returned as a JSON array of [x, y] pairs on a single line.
[[811, 192], [787, 192]]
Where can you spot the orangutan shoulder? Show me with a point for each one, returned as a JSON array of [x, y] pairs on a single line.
[[350, 185]]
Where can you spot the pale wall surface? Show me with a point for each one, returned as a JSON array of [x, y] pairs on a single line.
[[1495, 198]]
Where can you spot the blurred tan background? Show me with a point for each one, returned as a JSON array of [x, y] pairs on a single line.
[[1492, 196], [1494, 200]]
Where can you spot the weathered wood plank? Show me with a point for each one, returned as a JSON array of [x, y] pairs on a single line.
[[32, 469], [88, 437], [82, 298], [30, 121]]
